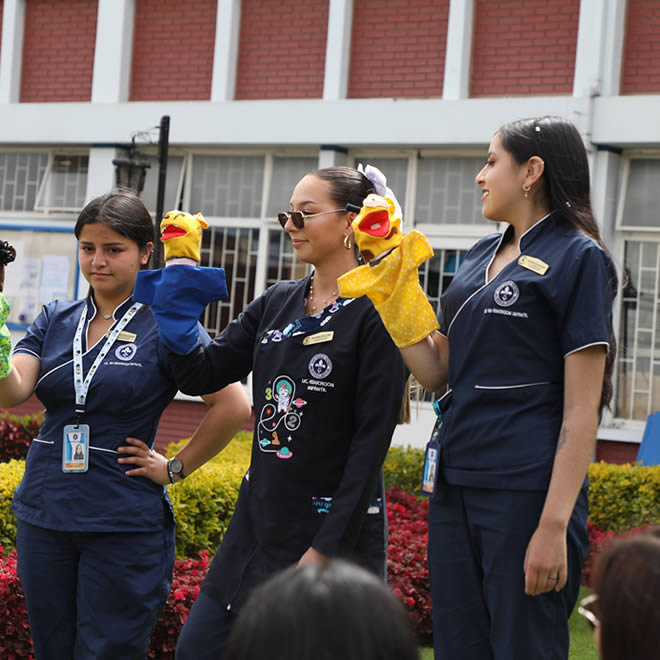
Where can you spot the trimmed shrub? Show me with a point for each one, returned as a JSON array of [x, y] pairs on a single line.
[[407, 567], [15, 638], [186, 581], [16, 434], [403, 469], [10, 476], [204, 502], [623, 497]]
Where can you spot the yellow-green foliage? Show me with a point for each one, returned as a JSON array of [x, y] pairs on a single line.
[[623, 496], [403, 468], [11, 474], [204, 501]]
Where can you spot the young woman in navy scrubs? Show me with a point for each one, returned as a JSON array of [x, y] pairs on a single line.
[[525, 348], [95, 533], [327, 384]]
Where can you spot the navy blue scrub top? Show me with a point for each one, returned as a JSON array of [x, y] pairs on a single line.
[[507, 342], [127, 396]]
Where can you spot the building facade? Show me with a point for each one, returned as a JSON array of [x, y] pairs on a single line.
[[261, 91]]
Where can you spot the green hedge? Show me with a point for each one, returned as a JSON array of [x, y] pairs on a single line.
[[623, 496], [620, 496]]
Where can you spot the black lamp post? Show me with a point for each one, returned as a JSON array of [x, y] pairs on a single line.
[[131, 169]]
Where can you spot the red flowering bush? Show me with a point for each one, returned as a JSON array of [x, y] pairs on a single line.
[[16, 434], [15, 638], [407, 566], [599, 540], [186, 581]]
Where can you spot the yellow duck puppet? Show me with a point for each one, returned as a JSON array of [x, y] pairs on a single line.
[[391, 279], [179, 292]]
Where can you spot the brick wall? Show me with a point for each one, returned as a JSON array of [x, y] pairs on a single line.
[[524, 47], [173, 47], [398, 48], [58, 50], [641, 55], [281, 52]]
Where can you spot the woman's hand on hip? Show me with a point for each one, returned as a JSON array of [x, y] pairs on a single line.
[[546, 564], [149, 463]]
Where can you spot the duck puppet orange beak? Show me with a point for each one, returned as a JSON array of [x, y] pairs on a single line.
[[376, 228]]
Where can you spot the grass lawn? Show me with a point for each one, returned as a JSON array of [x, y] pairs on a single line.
[[582, 639]]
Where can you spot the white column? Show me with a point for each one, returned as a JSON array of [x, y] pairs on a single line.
[[101, 171], [338, 49], [225, 54], [458, 56], [605, 177], [332, 156], [11, 55], [599, 47], [114, 51]]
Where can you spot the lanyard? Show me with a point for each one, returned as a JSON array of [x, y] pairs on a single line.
[[82, 386]]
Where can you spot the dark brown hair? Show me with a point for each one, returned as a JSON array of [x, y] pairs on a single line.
[[627, 583], [122, 211]]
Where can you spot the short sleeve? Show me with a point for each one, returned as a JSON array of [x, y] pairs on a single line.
[[32, 343], [589, 294]]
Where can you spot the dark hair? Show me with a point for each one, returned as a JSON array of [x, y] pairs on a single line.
[[347, 185], [566, 188], [324, 611], [7, 253], [627, 583], [122, 211]]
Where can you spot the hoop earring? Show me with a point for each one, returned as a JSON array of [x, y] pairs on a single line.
[[348, 244], [526, 189]]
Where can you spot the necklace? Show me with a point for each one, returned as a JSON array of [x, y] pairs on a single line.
[[107, 317], [326, 301]]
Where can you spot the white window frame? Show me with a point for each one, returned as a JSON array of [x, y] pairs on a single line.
[[39, 206]]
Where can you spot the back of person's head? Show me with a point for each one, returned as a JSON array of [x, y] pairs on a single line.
[[627, 584], [333, 610], [123, 211]]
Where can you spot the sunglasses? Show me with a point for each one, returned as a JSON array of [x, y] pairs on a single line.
[[298, 217], [586, 609]]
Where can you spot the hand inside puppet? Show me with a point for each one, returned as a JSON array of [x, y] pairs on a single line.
[[7, 255], [391, 279], [179, 292]]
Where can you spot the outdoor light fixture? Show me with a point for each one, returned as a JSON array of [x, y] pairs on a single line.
[[131, 169]]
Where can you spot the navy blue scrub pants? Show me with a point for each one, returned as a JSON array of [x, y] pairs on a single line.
[[477, 543], [93, 596]]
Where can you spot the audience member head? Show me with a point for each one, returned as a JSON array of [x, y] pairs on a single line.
[[325, 611], [626, 585]]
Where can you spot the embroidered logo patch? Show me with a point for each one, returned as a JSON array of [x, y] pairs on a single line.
[[125, 352], [320, 366], [506, 294]]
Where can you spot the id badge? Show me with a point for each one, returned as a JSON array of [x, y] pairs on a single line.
[[75, 448], [431, 468]]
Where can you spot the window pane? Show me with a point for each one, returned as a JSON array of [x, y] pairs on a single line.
[[21, 175], [286, 174], [642, 201], [67, 183], [235, 250], [446, 191], [227, 186], [638, 389], [150, 191]]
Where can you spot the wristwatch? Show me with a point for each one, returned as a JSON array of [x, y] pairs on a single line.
[[175, 467]]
